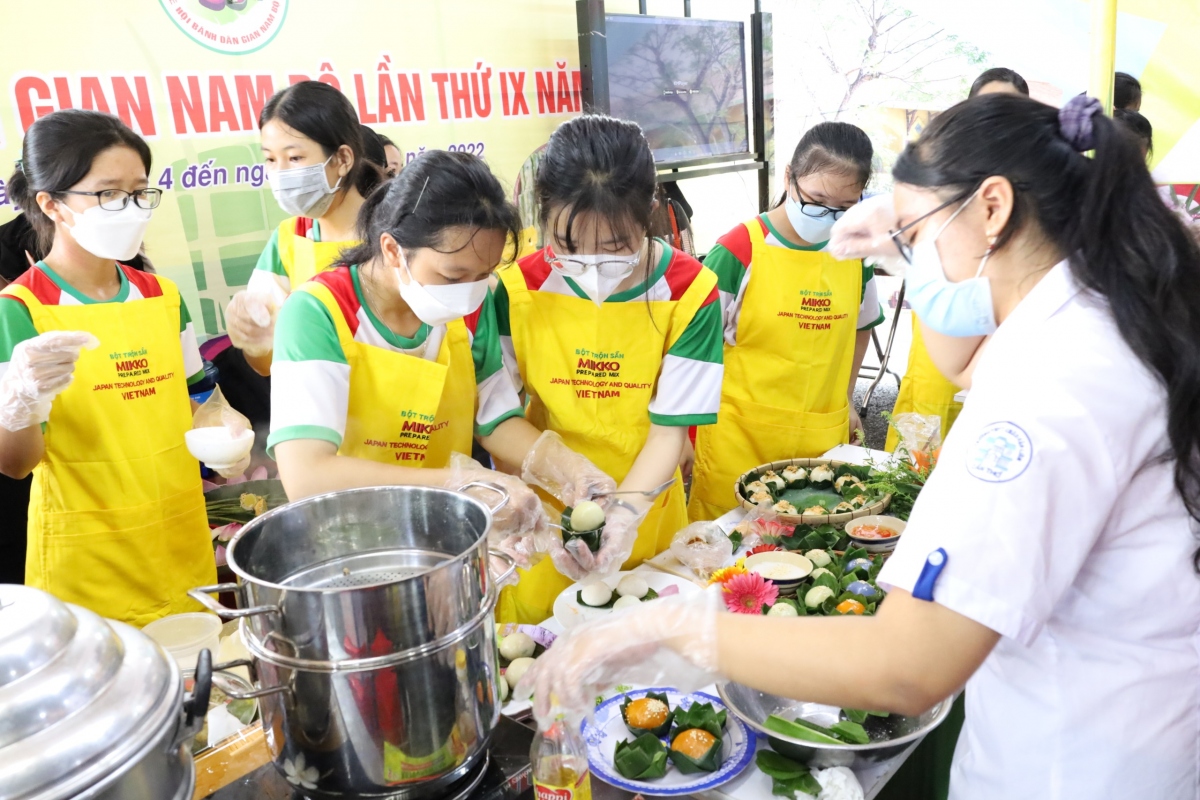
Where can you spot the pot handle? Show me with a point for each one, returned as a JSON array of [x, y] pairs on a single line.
[[512, 566], [492, 488], [195, 705], [201, 595], [238, 694]]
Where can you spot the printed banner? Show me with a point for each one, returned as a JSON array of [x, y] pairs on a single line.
[[191, 76]]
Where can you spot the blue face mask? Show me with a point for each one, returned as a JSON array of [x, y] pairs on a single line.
[[952, 309]]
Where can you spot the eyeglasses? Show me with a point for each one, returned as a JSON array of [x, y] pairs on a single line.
[[906, 248], [117, 199], [817, 210], [614, 268]]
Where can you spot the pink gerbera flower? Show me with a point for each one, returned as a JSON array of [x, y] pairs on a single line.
[[748, 593]]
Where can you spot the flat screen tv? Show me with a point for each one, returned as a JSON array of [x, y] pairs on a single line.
[[683, 80]]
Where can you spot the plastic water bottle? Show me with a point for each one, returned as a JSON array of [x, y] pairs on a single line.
[[560, 763]]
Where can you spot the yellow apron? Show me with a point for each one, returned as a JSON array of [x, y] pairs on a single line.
[[924, 390], [116, 514], [784, 393], [303, 258], [590, 373], [403, 409]]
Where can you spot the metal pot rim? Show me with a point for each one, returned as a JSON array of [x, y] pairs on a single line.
[[231, 547], [943, 711]]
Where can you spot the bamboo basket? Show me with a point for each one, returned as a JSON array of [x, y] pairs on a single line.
[[839, 520]]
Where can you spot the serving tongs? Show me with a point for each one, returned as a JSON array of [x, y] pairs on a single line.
[[652, 493]]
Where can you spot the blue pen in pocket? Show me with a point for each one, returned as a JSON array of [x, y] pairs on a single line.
[[934, 564]]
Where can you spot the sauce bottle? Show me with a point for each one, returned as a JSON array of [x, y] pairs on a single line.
[[560, 763]]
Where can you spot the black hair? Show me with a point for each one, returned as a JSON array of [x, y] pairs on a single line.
[[1127, 91], [598, 165], [58, 152], [386, 141], [999, 75], [1106, 215], [1138, 125], [325, 115], [832, 147], [438, 190], [373, 148]]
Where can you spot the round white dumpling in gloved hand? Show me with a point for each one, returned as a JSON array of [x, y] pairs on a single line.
[[627, 601], [517, 646], [587, 516], [633, 586], [516, 670]]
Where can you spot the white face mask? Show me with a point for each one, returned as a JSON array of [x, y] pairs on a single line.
[[437, 305], [597, 275], [303, 191], [814, 230], [110, 234]]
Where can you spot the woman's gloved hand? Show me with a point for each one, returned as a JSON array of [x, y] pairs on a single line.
[[40, 368], [250, 321], [865, 231], [670, 642], [621, 521], [562, 472], [515, 524]]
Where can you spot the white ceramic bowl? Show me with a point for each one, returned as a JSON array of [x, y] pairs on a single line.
[[216, 448], [786, 570], [876, 545]]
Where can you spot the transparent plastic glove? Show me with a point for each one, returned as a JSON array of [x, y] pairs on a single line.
[[574, 563], [516, 524], [250, 320], [40, 368], [669, 642], [621, 520], [703, 548], [562, 472], [865, 231]]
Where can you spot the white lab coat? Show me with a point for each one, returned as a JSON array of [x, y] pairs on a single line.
[[1064, 537]]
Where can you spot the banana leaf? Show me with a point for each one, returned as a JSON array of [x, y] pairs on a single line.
[[641, 759], [590, 538], [709, 762], [699, 715], [661, 730]]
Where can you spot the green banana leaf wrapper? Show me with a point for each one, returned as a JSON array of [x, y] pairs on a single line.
[[641, 759], [702, 716], [709, 762], [661, 730]]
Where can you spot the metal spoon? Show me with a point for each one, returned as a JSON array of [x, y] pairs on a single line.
[[652, 494]]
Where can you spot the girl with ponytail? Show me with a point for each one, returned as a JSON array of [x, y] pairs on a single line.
[[1049, 563]]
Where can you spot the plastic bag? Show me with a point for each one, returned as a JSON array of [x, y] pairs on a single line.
[[920, 437], [762, 521], [230, 457], [703, 548]]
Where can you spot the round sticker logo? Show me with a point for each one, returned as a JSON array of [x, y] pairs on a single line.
[[1001, 453], [233, 27]]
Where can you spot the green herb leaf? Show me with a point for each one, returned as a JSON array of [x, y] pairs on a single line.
[[794, 787], [850, 732], [855, 715], [779, 766], [736, 538]]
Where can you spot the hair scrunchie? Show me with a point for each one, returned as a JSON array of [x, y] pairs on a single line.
[[1075, 122]]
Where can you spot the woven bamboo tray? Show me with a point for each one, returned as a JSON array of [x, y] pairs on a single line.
[[839, 520]]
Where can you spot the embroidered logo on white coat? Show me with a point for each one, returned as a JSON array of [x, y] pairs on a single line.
[[1001, 453]]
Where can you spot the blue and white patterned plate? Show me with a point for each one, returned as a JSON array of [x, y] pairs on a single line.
[[608, 728]]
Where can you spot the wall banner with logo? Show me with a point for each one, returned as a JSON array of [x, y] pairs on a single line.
[[191, 76]]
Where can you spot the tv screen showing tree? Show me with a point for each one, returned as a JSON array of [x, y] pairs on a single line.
[[683, 80]]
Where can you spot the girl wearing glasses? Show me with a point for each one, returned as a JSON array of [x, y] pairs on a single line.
[[796, 321], [616, 340], [95, 359], [316, 164]]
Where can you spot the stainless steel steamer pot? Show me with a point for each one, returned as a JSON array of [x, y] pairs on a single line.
[[376, 652], [90, 708]]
